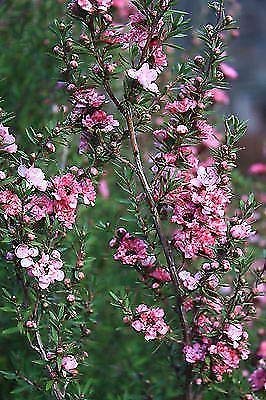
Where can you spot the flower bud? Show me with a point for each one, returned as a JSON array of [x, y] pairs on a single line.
[[199, 61], [71, 298], [51, 147], [81, 276], [2, 175], [31, 324], [229, 19], [67, 282], [74, 64]]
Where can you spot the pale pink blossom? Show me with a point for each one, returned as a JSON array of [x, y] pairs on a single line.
[[181, 129], [146, 76], [234, 332], [150, 321], [7, 141], [189, 281], [241, 231], [22, 251], [195, 353], [207, 177], [85, 5], [180, 106], [69, 363], [34, 176]]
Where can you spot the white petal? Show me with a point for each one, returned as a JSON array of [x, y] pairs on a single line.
[[132, 73]]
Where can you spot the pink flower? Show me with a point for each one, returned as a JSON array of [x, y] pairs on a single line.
[[258, 379], [123, 7], [89, 6], [219, 96], [188, 280], [208, 133], [195, 353], [85, 5], [180, 106], [194, 240], [181, 129], [7, 141], [34, 176], [99, 119], [47, 269], [10, 203], [227, 354], [38, 207], [207, 177], [146, 77], [131, 250], [160, 274], [257, 169], [103, 188], [234, 332], [69, 363], [262, 349], [66, 192], [241, 231], [23, 251], [150, 321], [88, 192], [228, 71]]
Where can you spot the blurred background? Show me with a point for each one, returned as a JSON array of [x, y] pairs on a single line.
[[247, 53]]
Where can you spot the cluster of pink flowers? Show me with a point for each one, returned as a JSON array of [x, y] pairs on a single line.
[[7, 141], [225, 344], [133, 251], [99, 119], [85, 100], [66, 190], [10, 203], [87, 113], [61, 200], [47, 269], [199, 210], [93, 6], [150, 321], [130, 250]]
